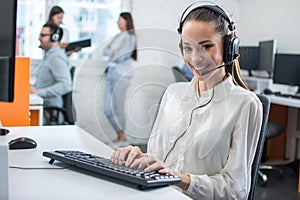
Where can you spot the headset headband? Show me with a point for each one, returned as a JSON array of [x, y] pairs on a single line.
[[213, 7]]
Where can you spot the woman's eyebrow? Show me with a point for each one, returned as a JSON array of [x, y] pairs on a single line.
[[200, 43], [205, 41]]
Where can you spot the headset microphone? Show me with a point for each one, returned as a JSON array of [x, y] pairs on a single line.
[[211, 70], [236, 56]]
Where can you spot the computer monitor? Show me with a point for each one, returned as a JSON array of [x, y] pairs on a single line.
[[287, 69], [249, 58], [8, 11], [267, 51]]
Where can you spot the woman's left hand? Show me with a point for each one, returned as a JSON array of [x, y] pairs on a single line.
[[133, 158], [150, 163]]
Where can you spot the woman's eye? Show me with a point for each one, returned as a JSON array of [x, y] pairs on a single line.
[[206, 47], [187, 49]]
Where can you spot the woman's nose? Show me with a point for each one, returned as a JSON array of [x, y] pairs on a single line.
[[197, 57]]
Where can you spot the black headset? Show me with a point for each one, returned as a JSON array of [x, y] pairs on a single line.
[[231, 41], [55, 36]]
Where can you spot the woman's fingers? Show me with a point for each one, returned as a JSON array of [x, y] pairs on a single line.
[[126, 155], [134, 154], [119, 156], [147, 163], [122, 156], [136, 162], [154, 164], [133, 157], [167, 170]]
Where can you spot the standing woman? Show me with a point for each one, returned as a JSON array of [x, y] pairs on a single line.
[[121, 50], [56, 16], [207, 130]]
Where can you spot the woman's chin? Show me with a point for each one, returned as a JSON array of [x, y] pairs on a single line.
[[198, 77]]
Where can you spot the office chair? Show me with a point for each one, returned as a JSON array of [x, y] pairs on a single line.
[[179, 77], [273, 130], [260, 146], [60, 116]]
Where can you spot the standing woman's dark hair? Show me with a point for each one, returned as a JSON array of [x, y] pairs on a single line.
[[130, 28], [54, 11], [203, 14]]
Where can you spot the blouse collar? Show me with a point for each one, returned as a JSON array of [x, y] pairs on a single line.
[[219, 92]]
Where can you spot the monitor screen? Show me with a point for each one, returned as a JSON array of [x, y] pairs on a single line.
[[287, 69], [267, 51], [8, 11], [249, 57]]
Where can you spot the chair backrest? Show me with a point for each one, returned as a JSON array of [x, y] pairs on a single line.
[[68, 106], [260, 146], [58, 116], [179, 77]]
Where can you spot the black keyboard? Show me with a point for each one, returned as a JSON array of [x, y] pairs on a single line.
[[104, 166], [288, 96]]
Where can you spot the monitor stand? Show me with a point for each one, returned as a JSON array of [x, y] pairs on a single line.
[[249, 72]]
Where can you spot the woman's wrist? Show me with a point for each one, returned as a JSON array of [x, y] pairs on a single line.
[[185, 181]]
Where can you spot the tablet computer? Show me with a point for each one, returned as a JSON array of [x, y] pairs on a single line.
[[80, 43]]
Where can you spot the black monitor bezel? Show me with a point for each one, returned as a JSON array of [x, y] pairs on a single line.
[[286, 68], [8, 14], [244, 53]]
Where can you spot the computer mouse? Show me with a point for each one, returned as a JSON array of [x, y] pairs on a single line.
[[3, 131], [22, 143]]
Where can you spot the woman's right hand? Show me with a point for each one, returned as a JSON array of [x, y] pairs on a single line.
[[126, 155]]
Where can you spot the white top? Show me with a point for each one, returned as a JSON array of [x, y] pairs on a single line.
[[65, 38], [117, 41], [218, 146]]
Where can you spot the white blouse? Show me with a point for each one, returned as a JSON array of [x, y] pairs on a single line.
[[215, 143]]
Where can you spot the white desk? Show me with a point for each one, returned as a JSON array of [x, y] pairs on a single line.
[[36, 105], [290, 102], [66, 183], [292, 129]]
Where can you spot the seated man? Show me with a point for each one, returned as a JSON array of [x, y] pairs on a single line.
[[53, 78]]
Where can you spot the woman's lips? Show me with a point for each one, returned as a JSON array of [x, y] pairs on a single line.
[[202, 67]]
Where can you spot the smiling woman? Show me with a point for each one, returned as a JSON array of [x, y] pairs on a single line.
[[206, 131]]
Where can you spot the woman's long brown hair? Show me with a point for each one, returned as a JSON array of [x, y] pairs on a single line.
[[130, 28]]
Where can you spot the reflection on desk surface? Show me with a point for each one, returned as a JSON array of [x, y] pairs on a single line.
[[35, 99]]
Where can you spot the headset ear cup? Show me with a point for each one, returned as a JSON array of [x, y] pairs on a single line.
[[55, 37], [231, 49], [181, 47]]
